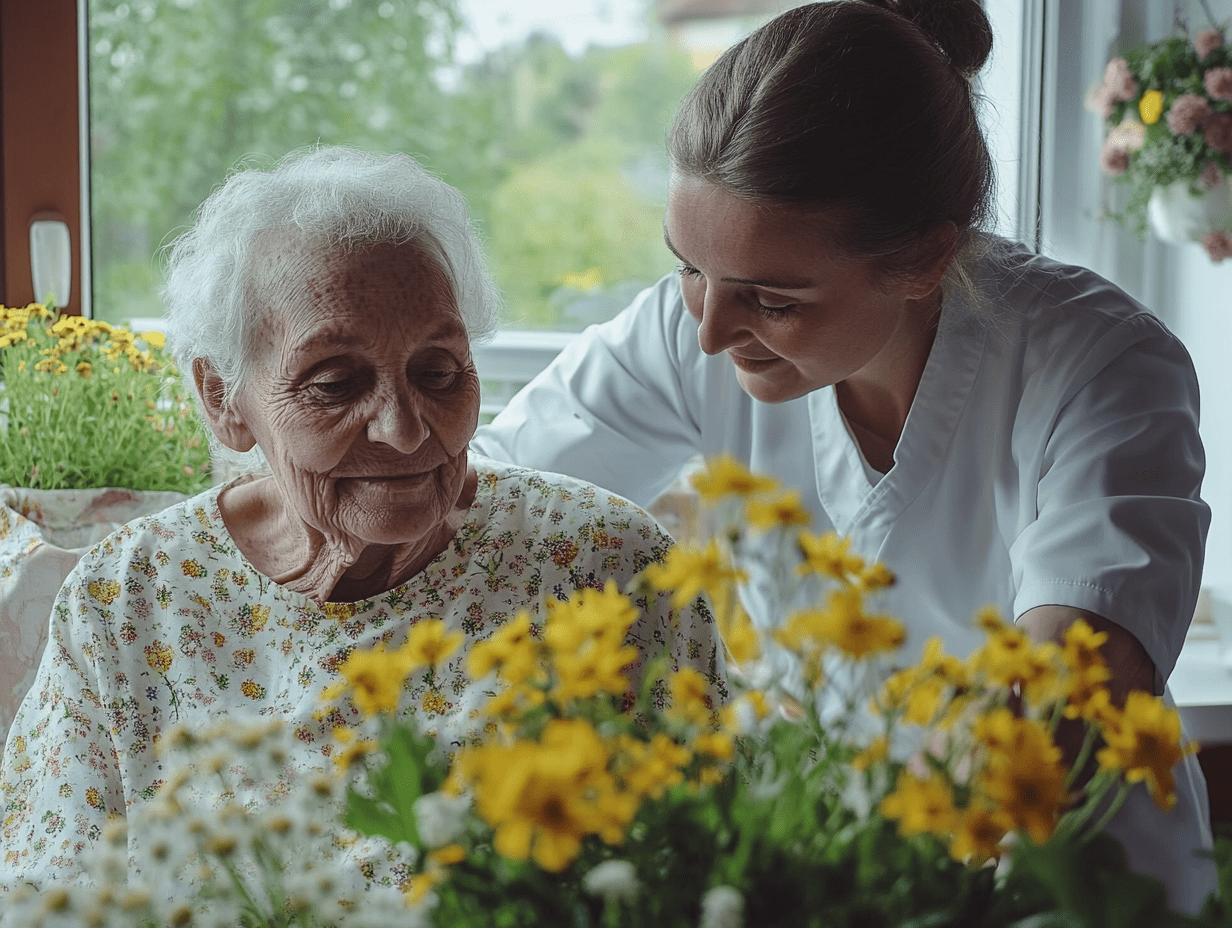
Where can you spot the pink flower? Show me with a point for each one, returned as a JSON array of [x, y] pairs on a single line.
[[1187, 113], [1100, 100], [1218, 132], [1211, 177], [1114, 158], [1218, 245], [1119, 80], [1218, 83], [1207, 41]]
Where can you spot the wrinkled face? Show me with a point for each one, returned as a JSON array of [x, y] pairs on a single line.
[[768, 289], [364, 396]]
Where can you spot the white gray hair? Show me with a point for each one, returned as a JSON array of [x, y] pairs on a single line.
[[333, 195]]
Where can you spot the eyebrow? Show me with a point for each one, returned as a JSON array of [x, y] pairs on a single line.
[[336, 338], [770, 284]]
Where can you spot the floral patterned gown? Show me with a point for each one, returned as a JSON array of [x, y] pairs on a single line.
[[165, 622]]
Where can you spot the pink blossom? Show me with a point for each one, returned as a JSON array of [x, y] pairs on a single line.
[[1119, 80], [1218, 132], [1218, 245], [1218, 83], [1207, 41], [1211, 177], [1100, 100], [1114, 159], [1187, 113]]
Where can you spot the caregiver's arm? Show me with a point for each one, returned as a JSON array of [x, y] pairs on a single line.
[[1130, 665], [619, 407]]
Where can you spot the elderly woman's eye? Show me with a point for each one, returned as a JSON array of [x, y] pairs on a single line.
[[438, 379], [331, 389]]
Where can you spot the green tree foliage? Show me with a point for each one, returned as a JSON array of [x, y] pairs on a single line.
[[560, 156]]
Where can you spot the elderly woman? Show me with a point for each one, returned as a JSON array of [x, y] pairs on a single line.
[[325, 311]]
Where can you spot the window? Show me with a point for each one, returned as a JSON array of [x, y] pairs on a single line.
[[551, 126]]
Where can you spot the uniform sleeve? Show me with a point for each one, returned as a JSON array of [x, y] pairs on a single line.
[[1120, 528], [60, 782], [617, 407]]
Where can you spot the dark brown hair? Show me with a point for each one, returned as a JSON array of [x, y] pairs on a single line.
[[863, 110]]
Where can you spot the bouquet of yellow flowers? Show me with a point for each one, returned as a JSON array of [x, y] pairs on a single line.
[[832, 790], [86, 404]]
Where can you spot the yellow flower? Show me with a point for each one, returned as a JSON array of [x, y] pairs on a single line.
[[159, 656], [105, 591], [85, 369], [829, 556], [737, 631], [780, 511], [649, 768], [353, 751], [154, 339], [543, 799], [374, 677], [715, 743], [605, 615], [429, 643], [921, 805], [842, 624], [1010, 659], [594, 668], [511, 649], [978, 836], [1023, 775], [1151, 107], [688, 571], [51, 365], [1146, 745], [725, 476], [445, 856], [690, 696], [877, 750], [918, 691]]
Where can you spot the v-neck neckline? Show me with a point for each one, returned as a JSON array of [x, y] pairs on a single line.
[[851, 500]]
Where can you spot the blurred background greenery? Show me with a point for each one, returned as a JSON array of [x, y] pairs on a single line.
[[558, 151]]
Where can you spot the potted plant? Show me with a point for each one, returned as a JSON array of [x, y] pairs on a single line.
[[96, 429], [1167, 106], [830, 791]]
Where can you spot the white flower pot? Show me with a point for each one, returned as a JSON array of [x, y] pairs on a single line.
[[1179, 216]]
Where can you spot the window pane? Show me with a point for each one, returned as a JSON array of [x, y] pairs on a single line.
[[555, 134]]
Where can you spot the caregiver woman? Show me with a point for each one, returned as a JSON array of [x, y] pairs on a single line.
[[995, 426]]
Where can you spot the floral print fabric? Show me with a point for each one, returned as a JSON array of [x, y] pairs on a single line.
[[165, 623]]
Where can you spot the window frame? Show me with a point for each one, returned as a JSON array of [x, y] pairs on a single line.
[[42, 124]]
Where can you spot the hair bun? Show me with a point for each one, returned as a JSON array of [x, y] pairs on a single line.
[[960, 28]]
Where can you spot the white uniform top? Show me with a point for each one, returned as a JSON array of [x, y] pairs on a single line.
[[1051, 456]]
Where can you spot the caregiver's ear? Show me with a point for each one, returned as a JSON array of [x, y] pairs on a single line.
[[934, 254], [226, 423]]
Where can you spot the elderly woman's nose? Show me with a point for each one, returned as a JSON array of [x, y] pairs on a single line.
[[398, 422]]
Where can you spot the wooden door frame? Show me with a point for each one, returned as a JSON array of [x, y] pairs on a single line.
[[40, 137]]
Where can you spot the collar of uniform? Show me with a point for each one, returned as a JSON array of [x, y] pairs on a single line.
[[854, 505]]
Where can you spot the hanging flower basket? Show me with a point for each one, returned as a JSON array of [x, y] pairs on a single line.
[[1179, 214], [1167, 107]]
